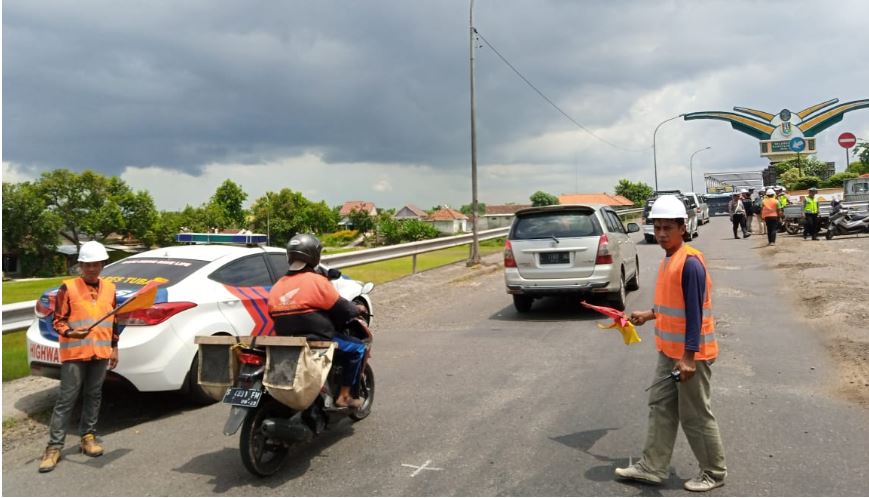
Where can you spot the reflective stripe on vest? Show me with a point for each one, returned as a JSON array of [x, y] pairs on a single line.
[[670, 323], [84, 311], [811, 205]]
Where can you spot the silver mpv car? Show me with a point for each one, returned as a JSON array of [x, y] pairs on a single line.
[[582, 249]]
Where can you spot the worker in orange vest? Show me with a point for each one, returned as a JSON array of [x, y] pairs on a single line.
[[687, 347], [85, 355], [771, 212]]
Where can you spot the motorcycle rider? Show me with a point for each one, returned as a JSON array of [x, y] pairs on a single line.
[[305, 303]]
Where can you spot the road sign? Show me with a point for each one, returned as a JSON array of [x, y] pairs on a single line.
[[847, 140], [797, 144]]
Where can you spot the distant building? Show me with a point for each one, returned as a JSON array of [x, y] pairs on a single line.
[[601, 198], [410, 212], [448, 221], [499, 215], [351, 206]]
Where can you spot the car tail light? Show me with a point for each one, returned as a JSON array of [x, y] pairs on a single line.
[[43, 309], [250, 359], [157, 313], [509, 260], [604, 257]]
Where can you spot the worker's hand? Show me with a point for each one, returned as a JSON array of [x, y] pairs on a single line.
[[686, 368], [113, 359], [641, 317], [78, 333]]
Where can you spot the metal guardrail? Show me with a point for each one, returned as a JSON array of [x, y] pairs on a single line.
[[20, 315]]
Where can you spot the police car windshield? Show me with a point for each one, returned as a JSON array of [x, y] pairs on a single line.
[[132, 273]]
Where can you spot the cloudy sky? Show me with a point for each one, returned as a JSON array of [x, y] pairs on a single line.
[[370, 100]]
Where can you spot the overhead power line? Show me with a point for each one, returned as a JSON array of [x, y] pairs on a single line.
[[548, 100]]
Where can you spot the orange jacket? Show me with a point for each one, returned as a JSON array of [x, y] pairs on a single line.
[[84, 309], [769, 208], [670, 309]]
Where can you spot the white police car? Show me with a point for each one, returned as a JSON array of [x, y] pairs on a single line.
[[206, 289]]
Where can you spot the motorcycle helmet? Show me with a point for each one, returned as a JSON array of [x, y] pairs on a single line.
[[303, 250]]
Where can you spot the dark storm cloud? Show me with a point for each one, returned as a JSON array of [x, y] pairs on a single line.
[[183, 84]]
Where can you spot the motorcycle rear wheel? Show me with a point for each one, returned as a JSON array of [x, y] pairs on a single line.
[[366, 391], [830, 232], [262, 456]]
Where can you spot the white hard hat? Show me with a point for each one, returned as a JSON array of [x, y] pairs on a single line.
[[743, 191], [770, 191], [92, 251], [668, 207]]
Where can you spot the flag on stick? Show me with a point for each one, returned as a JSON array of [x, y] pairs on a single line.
[[141, 299], [620, 321]]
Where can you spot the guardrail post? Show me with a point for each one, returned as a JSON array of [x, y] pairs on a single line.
[[413, 271]]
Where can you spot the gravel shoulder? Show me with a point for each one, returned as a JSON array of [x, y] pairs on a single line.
[[826, 282]]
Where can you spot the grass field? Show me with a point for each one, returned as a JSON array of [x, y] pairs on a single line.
[[28, 290], [14, 356], [384, 271]]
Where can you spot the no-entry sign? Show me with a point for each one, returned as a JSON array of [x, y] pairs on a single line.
[[847, 140]]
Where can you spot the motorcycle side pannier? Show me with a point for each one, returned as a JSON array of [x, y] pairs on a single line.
[[295, 372], [218, 365]]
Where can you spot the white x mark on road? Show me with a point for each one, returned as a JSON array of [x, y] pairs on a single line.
[[420, 468]]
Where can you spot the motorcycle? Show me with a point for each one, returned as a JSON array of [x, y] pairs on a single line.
[[843, 221], [270, 429]]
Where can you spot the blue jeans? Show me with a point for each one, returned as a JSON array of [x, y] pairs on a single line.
[[350, 353]]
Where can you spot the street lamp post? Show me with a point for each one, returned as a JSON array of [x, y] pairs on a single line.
[[655, 149], [268, 220], [691, 166]]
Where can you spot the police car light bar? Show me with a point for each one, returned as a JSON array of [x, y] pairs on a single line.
[[221, 238]]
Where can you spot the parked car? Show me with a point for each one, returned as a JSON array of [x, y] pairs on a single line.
[[207, 289], [580, 249], [701, 208], [649, 229]]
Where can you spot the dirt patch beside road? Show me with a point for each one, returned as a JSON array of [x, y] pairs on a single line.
[[827, 282]]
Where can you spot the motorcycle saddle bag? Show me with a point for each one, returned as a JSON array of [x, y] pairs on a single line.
[[295, 374]]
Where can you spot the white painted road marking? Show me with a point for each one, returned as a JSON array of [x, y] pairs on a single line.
[[420, 468]]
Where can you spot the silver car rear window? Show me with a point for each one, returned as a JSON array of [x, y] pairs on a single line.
[[558, 224]]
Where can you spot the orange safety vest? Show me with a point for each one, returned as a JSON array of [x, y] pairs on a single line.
[[670, 309], [84, 311], [770, 208]]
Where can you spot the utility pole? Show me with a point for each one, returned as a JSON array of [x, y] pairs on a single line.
[[475, 245]]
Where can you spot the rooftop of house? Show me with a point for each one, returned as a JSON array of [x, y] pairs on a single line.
[[446, 214], [350, 206], [415, 210], [601, 198], [504, 208]]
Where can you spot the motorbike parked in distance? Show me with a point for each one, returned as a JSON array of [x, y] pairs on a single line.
[[844, 221]]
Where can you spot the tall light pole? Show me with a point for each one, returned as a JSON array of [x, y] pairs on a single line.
[[475, 245], [691, 166], [655, 149]]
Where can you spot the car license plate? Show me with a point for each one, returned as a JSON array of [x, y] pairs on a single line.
[[554, 258], [240, 396]]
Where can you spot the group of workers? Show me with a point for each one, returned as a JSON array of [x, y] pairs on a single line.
[[769, 209]]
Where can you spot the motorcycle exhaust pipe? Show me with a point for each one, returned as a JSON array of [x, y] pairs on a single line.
[[286, 430]]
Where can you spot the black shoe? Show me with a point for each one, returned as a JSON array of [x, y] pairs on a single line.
[[736, 236]]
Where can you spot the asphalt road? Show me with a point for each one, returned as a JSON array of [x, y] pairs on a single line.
[[475, 399]]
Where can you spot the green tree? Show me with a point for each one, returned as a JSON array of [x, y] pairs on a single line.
[[541, 198], [861, 152], [227, 204], [789, 178], [637, 192], [30, 229], [466, 209], [838, 179], [286, 213], [805, 182], [361, 220]]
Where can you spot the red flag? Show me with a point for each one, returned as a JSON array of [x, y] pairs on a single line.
[[620, 321]]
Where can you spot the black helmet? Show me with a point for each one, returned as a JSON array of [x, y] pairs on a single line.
[[303, 248]]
